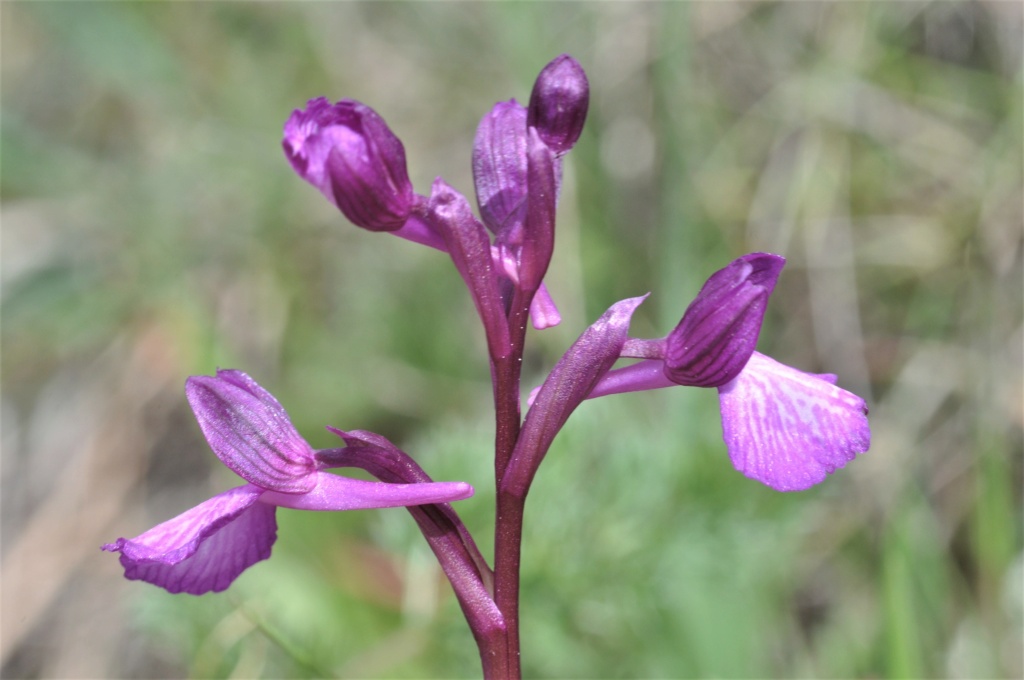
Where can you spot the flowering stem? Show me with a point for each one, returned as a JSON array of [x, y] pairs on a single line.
[[508, 537], [508, 529]]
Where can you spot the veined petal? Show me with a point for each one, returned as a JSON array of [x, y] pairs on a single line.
[[205, 548], [250, 432], [334, 492], [499, 170], [719, 331], [789, 429]]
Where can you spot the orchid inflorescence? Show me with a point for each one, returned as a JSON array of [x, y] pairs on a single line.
[[782, 427]]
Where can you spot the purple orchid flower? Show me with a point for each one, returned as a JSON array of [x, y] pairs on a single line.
[[207, 547], [349, 153], [783, 427]]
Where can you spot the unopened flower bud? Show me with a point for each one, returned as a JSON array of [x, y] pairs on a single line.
[[558, 103], [348, 152]]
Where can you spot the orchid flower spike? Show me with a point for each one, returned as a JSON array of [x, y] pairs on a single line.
[[783, 427], [207, 547], [349, 153]]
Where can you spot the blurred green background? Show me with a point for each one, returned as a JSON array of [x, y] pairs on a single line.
[[152, 229]]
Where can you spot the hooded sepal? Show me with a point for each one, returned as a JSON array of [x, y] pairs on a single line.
[[718, 333], [499, 170], [250, 432]]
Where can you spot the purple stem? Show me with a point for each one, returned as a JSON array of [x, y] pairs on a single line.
[[508, 528]]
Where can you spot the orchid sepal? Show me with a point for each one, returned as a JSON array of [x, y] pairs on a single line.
[[719, 330]]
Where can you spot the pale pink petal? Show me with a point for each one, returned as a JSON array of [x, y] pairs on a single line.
[[205, 548], [335, 492], [790, 429]]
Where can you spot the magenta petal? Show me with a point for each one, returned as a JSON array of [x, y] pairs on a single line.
[[205, 548], [790, 429], [334, 492], [250, 432]]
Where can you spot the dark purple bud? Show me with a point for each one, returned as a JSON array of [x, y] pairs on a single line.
[[539, 229], [499, 170], [718, 333], [348, 152], [558, 103]]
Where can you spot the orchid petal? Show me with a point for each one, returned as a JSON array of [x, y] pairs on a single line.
[[789, 429], [334, 492], [205, 548], [250, 432]]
